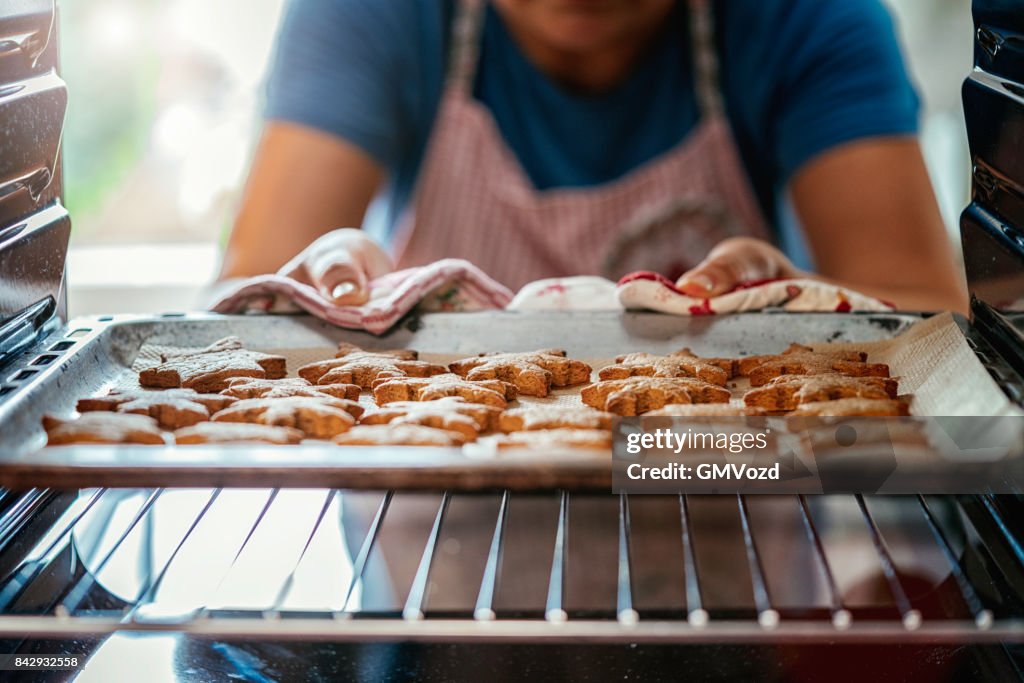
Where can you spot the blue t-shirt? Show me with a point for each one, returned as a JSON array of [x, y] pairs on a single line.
[[798, 78]]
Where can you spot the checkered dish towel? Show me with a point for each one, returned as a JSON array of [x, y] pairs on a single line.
[[446, 285]]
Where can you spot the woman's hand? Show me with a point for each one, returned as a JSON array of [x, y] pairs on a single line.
[[340, 265], [736, 260], [302, 183]]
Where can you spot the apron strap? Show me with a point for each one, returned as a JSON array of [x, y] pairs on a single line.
[[465, 46], [705, 58]]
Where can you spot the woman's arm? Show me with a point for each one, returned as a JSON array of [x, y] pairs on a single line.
[[302, 184], [871, 219], [872, 223]]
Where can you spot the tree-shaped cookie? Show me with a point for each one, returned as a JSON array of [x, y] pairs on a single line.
[[787, 392], [534, 373], [353, 365], [171, 408], [637, 395], [451, 412], [317, 418], [681, 363], [491, 392], [207, 370], [802, 360]]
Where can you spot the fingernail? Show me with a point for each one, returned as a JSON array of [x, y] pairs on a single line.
[[700, 281], [344, 289]]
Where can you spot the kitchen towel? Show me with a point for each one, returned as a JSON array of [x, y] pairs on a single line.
[[458, 285], [651, 291], [579, 293], [446, 285]]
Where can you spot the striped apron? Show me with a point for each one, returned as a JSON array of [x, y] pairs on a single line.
[[473, 200]]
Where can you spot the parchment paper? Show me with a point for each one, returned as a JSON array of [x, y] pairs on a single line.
[[932, 360], [935, 364]]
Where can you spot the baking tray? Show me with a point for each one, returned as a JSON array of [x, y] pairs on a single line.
[[91, 355]]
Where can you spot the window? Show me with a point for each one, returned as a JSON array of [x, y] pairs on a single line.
[[164, 107]]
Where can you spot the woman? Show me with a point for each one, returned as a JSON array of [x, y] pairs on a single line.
[[542, 138]]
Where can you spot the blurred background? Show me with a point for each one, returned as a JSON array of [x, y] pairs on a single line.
[[165, 101]]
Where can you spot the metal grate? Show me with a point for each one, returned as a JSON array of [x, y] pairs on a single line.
[[333, 564]]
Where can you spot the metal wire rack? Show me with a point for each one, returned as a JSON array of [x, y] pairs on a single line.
[[342, 565]]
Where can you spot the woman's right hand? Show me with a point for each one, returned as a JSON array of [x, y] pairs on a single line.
[[340, 265]]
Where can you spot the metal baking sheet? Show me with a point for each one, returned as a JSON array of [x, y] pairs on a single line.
[[91, 355]]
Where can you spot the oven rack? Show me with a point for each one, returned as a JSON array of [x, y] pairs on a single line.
[[52, 589]]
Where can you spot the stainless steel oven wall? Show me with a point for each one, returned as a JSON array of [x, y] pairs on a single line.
[[992, 226], [34, 227]]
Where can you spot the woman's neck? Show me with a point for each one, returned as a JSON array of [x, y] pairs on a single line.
[[579, 65]]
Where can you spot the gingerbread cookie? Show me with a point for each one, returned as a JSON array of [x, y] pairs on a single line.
[[706, 410], [681, 363], [248, 387], [852, 407], [637, 395], [802, 360], [534, 373], [547, 439], [317, 418], [399, 435], [171, 408], [532, 418], [236, 432], [787, 392], [451, 413], [493, 392], [103, 428], [745, 365], [208, 370], [347, 349], [352, 365]]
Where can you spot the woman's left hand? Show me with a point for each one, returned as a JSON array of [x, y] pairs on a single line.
[[733, 261]]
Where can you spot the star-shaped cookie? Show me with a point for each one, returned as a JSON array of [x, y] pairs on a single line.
[[706, 410], [103, 428], [787, 392], [532, 418], [547, 439], [236, 432], [851, 407], [491, 392], [637, 395], [208, 370], [249, 387], [533, 373], [802, 360], [317, 418], [171, 408], [682, 363], [452, 413], [399, 435], [352, 365]]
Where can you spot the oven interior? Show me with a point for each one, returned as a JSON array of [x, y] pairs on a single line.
[[335, 577], [381, 583]]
